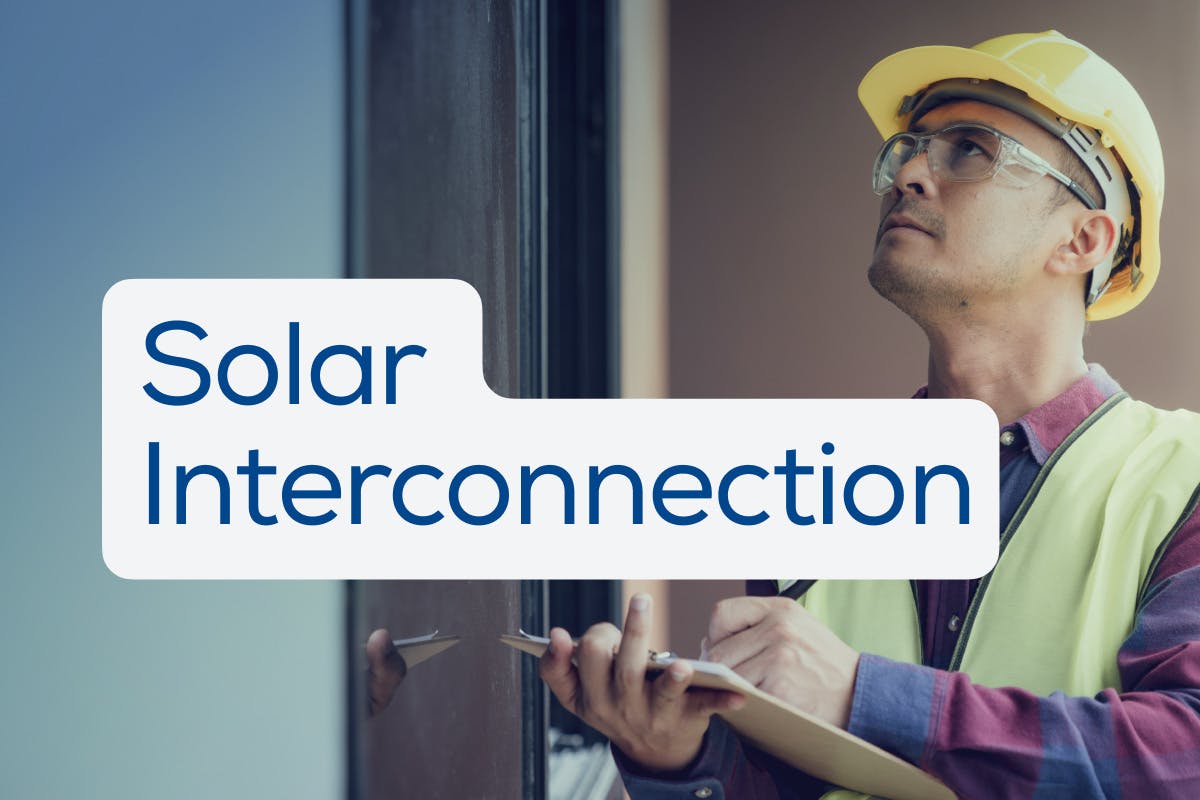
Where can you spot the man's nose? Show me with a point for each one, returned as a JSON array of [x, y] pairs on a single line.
[[915, 176]]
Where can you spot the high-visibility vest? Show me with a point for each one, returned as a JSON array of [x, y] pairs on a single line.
[[1074, 561]]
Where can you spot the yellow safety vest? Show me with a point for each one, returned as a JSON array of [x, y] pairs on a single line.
[[1074, 562]]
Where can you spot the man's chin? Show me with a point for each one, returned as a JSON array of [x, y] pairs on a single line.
[[901, 285], [889, 279]]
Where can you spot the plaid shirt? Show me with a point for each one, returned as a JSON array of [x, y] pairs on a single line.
[[1140, 742]]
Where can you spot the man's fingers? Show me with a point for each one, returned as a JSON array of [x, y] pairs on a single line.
[[380, 649], [385, 670], [630, 668], [594, 657], [735, 614], [767, 663], [707, 702], [670, 687], [558, 672], [738, 648], [672, 692]]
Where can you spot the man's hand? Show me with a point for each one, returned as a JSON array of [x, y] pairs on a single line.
[[783, 650], [385, 670], [658, 723]]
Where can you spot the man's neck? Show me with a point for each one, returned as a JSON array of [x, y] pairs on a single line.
[[1013, 374]]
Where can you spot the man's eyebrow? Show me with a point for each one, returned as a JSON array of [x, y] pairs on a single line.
[[921, 127]]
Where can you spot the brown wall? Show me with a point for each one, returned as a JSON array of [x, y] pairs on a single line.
[[772, 216]]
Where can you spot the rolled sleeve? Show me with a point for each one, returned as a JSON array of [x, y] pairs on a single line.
[[894, 705]]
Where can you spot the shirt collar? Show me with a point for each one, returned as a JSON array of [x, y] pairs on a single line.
[[1046, 426]]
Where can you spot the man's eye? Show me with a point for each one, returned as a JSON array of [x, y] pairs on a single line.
[[968, 148]]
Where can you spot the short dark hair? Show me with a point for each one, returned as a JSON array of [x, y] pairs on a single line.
[[1073, 168]]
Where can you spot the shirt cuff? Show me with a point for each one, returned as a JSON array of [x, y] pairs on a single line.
[[700, 779], [895, 705]]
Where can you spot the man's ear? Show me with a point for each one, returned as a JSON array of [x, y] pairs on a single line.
[[1095, 237]]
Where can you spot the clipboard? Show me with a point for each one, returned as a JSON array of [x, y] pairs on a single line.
[[421, 648], [794, 736]]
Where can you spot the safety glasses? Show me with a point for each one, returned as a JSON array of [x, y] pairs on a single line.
[[968, 151]]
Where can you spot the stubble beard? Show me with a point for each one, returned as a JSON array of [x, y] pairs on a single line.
[[908, 289], [927, 295]]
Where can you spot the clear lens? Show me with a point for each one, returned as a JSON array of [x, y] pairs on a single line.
[[958, 153], [964, 153], [894, 154]]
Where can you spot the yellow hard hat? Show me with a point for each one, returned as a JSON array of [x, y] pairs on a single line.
[[1075, 84]]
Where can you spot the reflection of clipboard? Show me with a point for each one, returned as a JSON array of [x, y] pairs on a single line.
[[420, 648], [800, 739]]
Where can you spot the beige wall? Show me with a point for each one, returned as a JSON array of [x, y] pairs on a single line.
[[772, 216]]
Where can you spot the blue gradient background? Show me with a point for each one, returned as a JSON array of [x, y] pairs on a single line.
[[181, 139]]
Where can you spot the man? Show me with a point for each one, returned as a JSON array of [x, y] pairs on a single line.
[[1021, 184]]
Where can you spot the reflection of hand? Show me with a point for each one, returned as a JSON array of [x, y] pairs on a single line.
[[782, 649], [385, 670], [657, 723]]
